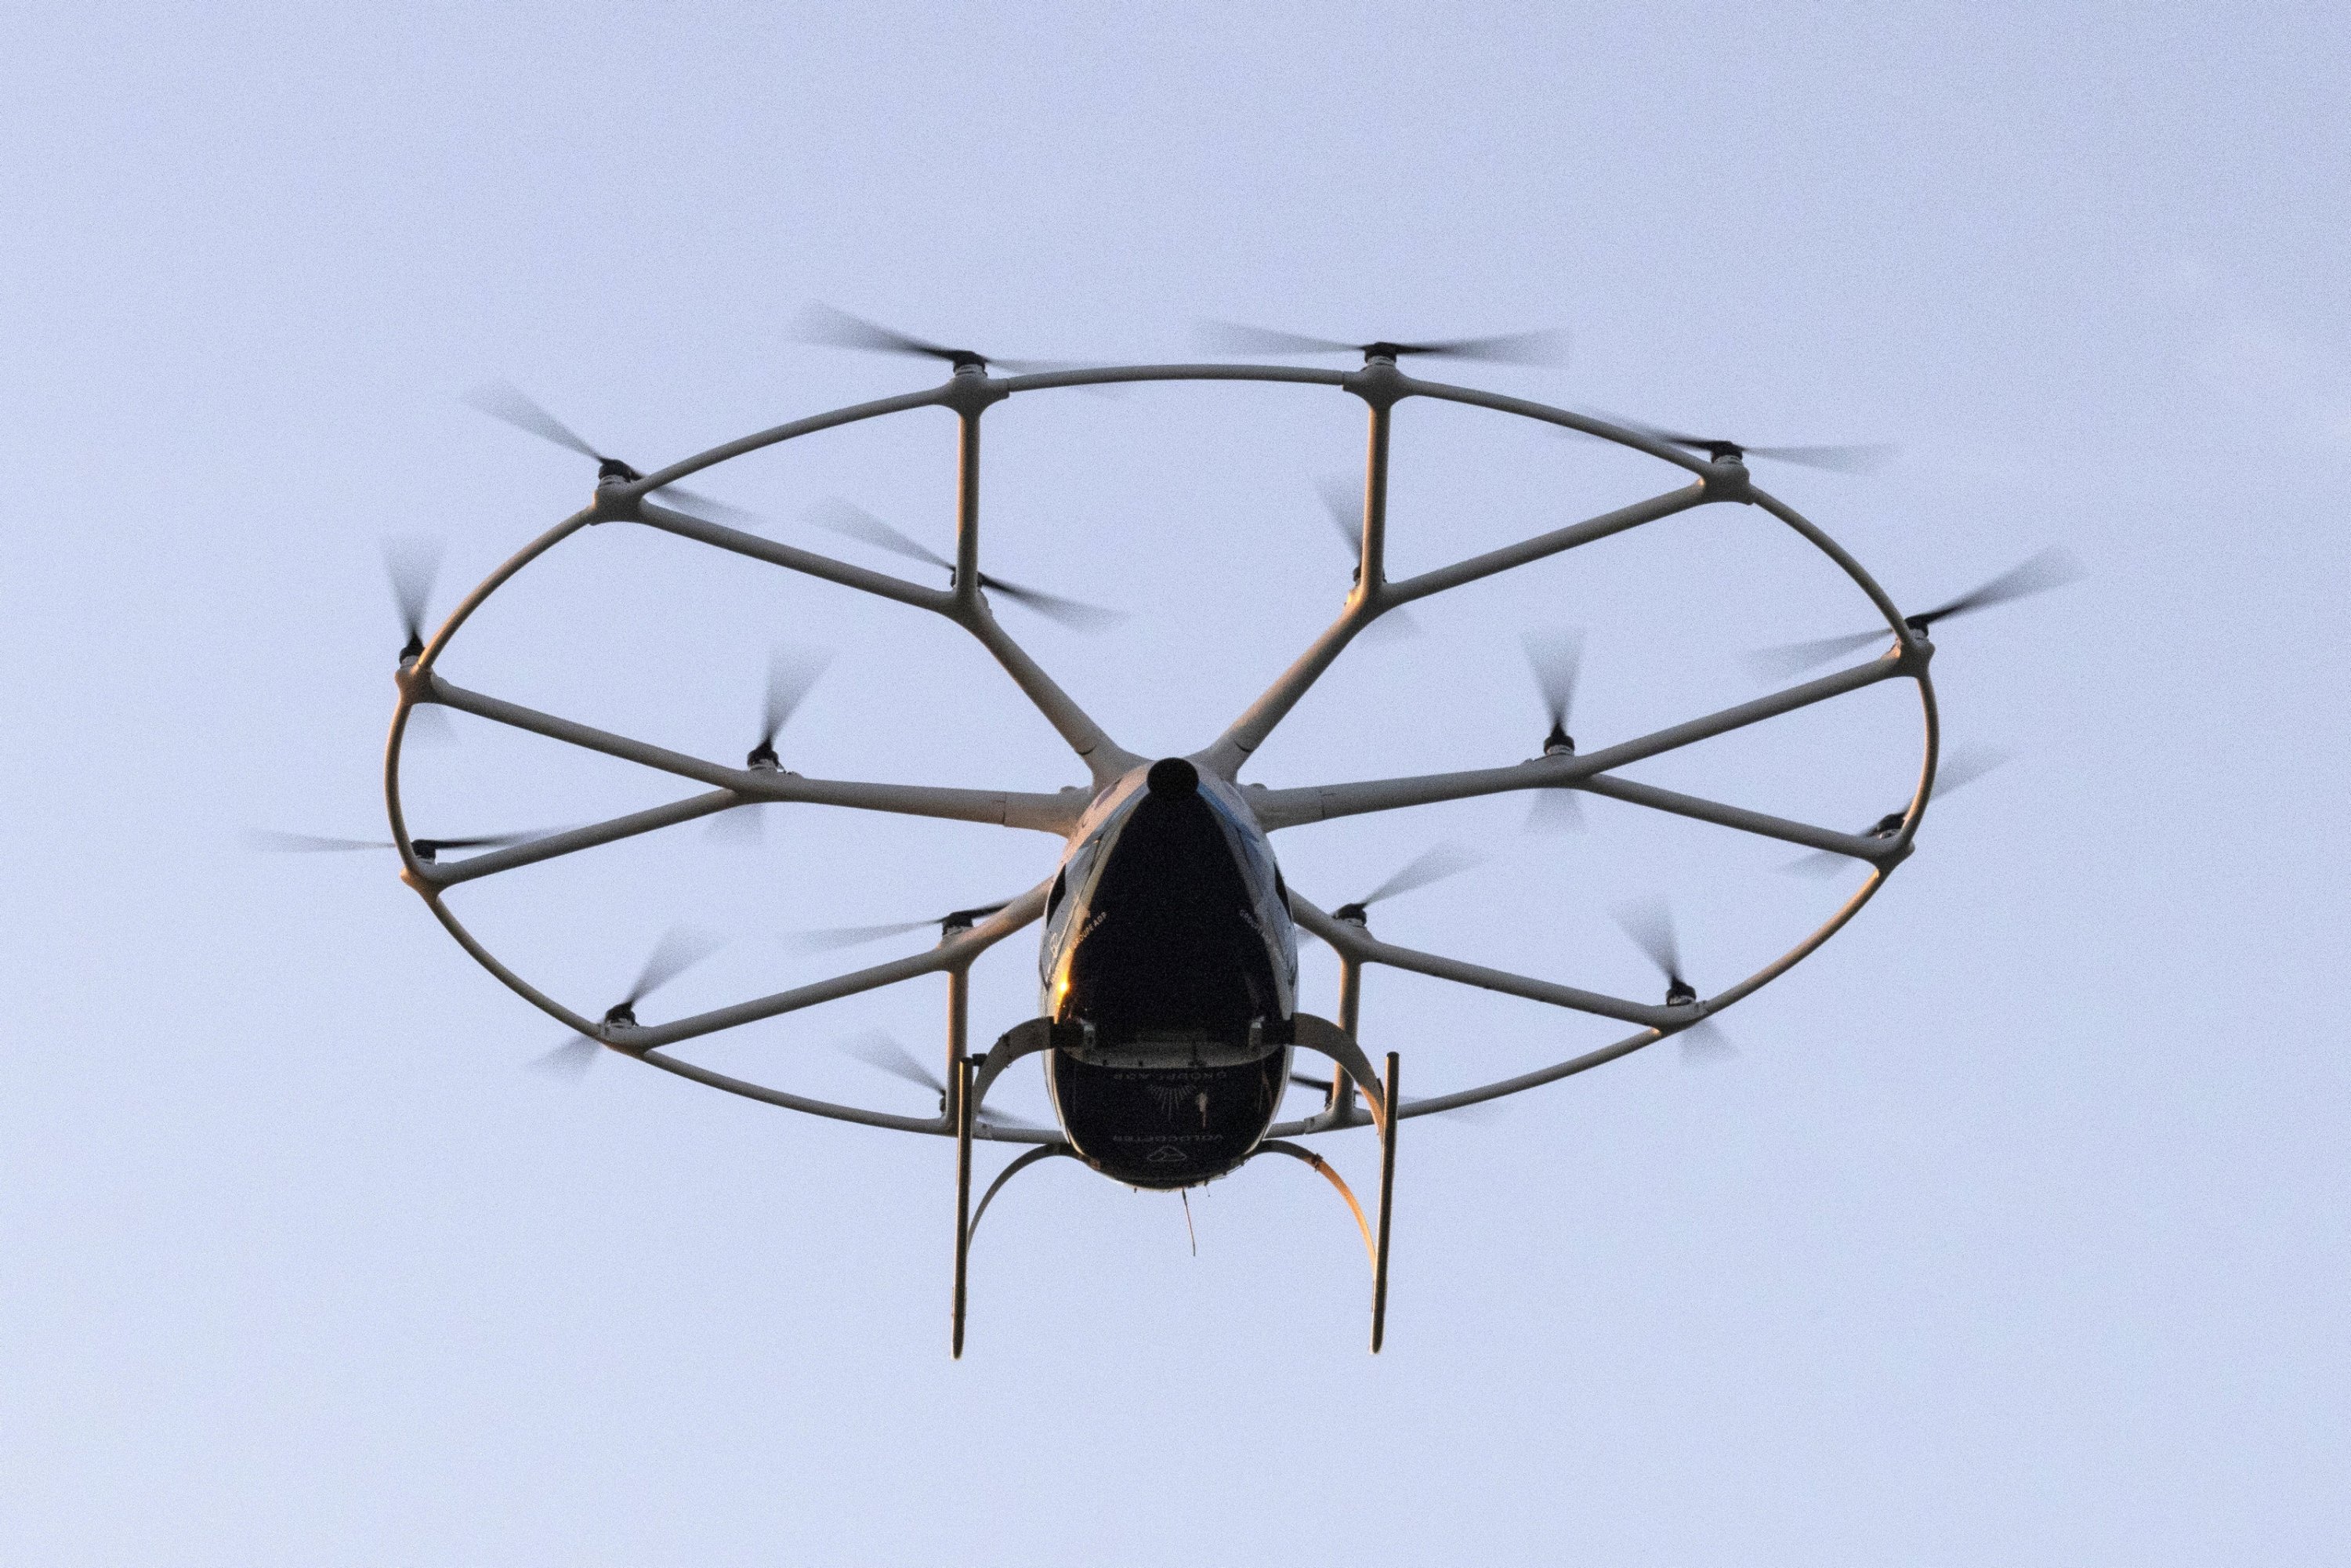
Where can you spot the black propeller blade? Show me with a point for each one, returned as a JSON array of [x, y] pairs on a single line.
[[507, 403], [1958, 767], [792, 674], [680, 948], [1432, 864], [1865, 458], [1505, 348], [270, 840], [1343, 501], [820, 323], [835, 937], [2053, 567], [881, 1050], [851, 522], [412, 565], [1649, 922], [1557, 660]]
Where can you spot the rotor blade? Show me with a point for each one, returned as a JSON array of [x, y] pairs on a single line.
[[1866, 458], [1704, 1045], [2053, 567], [1961, 766], [1640, 426], [742, 827], [507, 403], [1393, 626], [837, 936], [876, 1049], [570, 1059], [1555, 812], [269, 840], [1074, 613], [1786, 659], [820, 323], [1343, 500], [1303, 1081], [1505, 348], [1820, 865], [412, 564], [1650, 925], [680, 949], [851, 522], [854, 935], [1046, 367], [710, 509], [1002, 1123], [488, 841], [1237, 338], [792, 673], [429, 724], [1433, 864], [1557, 659]]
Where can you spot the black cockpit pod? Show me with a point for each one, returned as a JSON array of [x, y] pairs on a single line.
[[1171, 995]]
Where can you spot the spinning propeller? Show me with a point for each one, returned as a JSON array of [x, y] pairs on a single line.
[[839, 936], [851, 522], [412, 565], [1557, 660], [427, 850], [1506, 349], [1650, 925], [792, 674], [839, 330], [1433, 864], [505, 401], [1960, 767], [680, 949], [2053, 567], [876, 1049], [1343, 500], [1862, 459]]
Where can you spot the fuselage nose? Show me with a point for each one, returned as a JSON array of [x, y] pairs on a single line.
[[1172, 959]]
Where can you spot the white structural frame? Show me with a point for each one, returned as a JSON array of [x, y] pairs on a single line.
[[968, 393]]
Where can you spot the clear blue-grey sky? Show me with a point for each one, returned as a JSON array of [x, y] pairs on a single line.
[[2015, 1232]]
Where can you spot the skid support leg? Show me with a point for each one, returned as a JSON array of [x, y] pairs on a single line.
[[963, 1073], [1389, 1124]]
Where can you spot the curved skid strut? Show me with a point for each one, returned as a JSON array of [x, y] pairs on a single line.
[[1388, 1129], [1374, 1246], [966, 395], [969, 1218], [1324, 1168]]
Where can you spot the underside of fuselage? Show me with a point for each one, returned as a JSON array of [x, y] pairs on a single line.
[[1170, 969]]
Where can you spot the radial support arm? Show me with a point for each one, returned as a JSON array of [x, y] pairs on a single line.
[[718, 536], [1278, 809], [956, 952], [1352, 941], [1528, 551], [1373, 598], [1054, 813]]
